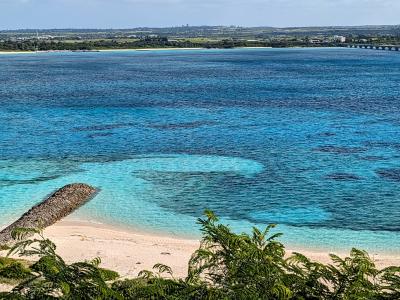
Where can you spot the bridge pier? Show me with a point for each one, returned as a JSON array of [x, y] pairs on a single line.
[[375, 47]]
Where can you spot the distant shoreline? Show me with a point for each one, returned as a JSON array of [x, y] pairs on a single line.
[[148, 49], [131, 49]]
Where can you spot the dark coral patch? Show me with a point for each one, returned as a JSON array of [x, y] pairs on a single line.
[[10, 182], [188, 125], [101, 134], [343, 177], [103, 127], [390, 174], [382, 144], [327, 134], [373, 158], [339, 149]]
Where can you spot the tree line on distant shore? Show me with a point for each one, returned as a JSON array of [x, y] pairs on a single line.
[[226, 266], [42, 45]]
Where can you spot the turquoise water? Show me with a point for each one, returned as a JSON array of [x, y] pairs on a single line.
[[307, 138]]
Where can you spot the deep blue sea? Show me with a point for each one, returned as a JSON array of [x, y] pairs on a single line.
[[306, 138]]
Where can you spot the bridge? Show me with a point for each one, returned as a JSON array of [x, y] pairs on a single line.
[[375, 47]]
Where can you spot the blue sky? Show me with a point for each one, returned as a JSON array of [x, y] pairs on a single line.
[[160, 13]]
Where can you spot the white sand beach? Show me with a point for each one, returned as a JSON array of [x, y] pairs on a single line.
[[101, 50], [16, 52], [127, 252], [125, 50], [130, 252], [149, 49]]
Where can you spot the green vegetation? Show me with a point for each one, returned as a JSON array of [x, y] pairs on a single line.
[[32, 45], [148, 43], [108, 275], [53, 278], [13, 271], [226, 266]]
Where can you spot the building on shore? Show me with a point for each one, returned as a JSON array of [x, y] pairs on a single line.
[[340, 38]]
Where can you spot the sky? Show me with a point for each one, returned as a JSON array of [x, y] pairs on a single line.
[[22, 14]]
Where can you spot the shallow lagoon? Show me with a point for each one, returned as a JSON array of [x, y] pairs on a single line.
[[307, 138]]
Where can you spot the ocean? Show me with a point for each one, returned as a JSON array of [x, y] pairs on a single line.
[[308, 139]]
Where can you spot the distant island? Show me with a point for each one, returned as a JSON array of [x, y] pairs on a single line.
[[195, 37]]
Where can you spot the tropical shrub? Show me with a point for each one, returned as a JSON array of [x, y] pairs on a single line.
[[15, 270], [53, 277], [5, 261], [108, 275], [242, 266]]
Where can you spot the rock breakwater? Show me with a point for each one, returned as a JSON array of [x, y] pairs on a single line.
[[59, 205]]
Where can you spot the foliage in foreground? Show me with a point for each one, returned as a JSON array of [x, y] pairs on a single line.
[[51, 277], [226, 266]]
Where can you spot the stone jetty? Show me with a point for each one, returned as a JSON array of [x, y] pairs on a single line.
[[59, 205]]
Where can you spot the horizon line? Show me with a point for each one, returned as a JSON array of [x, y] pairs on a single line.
[[194, 26]]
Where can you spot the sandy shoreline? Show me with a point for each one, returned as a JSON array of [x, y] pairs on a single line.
[[94, 51], [123, 50], [130, 252], [149, 49], [125, 251], [16, 52]]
